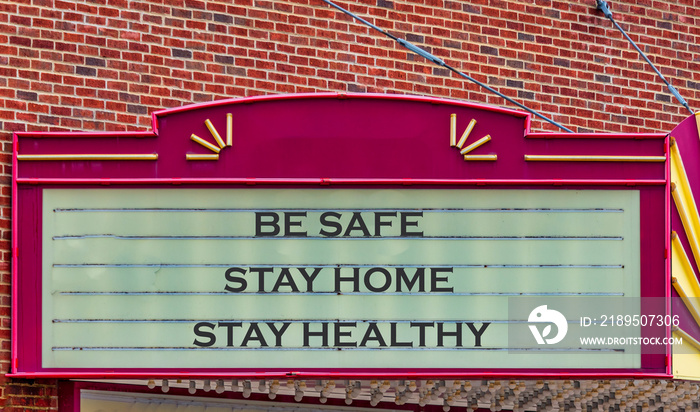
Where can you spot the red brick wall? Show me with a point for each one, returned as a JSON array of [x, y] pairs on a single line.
[[107, 64], [28, 395]]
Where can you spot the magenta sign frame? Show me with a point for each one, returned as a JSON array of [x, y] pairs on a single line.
[[331, 140]]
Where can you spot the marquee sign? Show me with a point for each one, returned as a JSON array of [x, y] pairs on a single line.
[[338, 235]]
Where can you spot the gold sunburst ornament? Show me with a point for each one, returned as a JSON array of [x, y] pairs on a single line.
[[464, 151], [214, 147]]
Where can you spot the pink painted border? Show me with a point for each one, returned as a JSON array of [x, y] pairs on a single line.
[[344, 375], [343, 181], [667, 252], [13, 258]]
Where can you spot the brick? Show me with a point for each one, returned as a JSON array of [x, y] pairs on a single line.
[[526, 37], [561, 62], [515, 83], [93, 61], [415, 38], [181, 13], [25, 95], [489, 50], [136, 109], [662, 97], [223, 18], [85, 71], [127, 97], [182, 53]]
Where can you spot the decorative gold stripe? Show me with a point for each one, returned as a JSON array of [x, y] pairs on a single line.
[[684, 280], [686, 337], [205, 143], [39, 157], [191, 156], [229, 129], [684, 200], [686, 357], [466, 133], [215, 133], [587, 158], [475, 144], [453, 130], [491, 157]]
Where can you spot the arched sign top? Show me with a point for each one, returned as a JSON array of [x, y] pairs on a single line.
[[340, 96]]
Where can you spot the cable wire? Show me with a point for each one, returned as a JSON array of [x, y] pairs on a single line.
[[423, 53], [602, 5]]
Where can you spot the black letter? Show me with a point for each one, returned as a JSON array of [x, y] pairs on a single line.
[[356, 223], [199, 332], [232, 278], [284, 274], [477, 333], [434, 279], [387, 280], [288, 223], [229, 330], [261, 277], [325, 222], [378, 223], [309, 278], [355, 279], [339, 334], [278, 332], [258, 335], [422, 326], [273, 222], [419, 276], [394, 342], [457, 334], [373, 329], [405, 222], [323, 334]]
